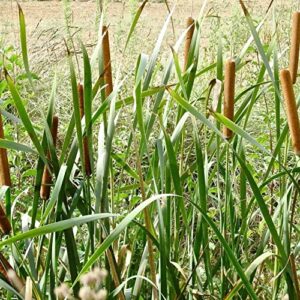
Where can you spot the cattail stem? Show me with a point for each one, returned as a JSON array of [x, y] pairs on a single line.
[[4, 166], [107, 62], [188, 40], [229, 87], [4, 180], [47, 179], [87, 164], [291, 109], [295, 43]]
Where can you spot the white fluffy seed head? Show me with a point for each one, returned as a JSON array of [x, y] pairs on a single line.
[[88, 279], [101, 274], [85, 293], [101, 295], [62, 291]]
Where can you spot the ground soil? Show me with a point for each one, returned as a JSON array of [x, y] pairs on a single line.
[[46, 26]]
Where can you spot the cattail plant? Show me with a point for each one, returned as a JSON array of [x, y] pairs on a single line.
[[291, 109], [87, 163], [229, 86], [4, 180], [107, 62], [295, 43], [191, 25], [47, 180]]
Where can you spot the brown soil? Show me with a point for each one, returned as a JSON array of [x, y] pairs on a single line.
[[46, 26]]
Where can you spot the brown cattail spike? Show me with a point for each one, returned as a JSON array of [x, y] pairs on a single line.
[[291, 109], [4, 266], [9, 274], [87, 163], [191, 25], [81, 99], [47, 180], [295, 42], [229, 86], [4, 166], [4, 222], [107, 62], [4, 180]]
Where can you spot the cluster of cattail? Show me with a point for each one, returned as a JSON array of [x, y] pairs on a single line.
[[91, 286], [287, 79], [229, 78]]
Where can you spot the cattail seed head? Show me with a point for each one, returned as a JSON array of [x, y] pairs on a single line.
[[4, 180], [229, 88], [291, 109], [46, 179], [191, 25], [107, 62], [4, 166], [4, 266], [4, 222], [16, 281], [295, 43], [86, 293], [81, 99], [87, 162]]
